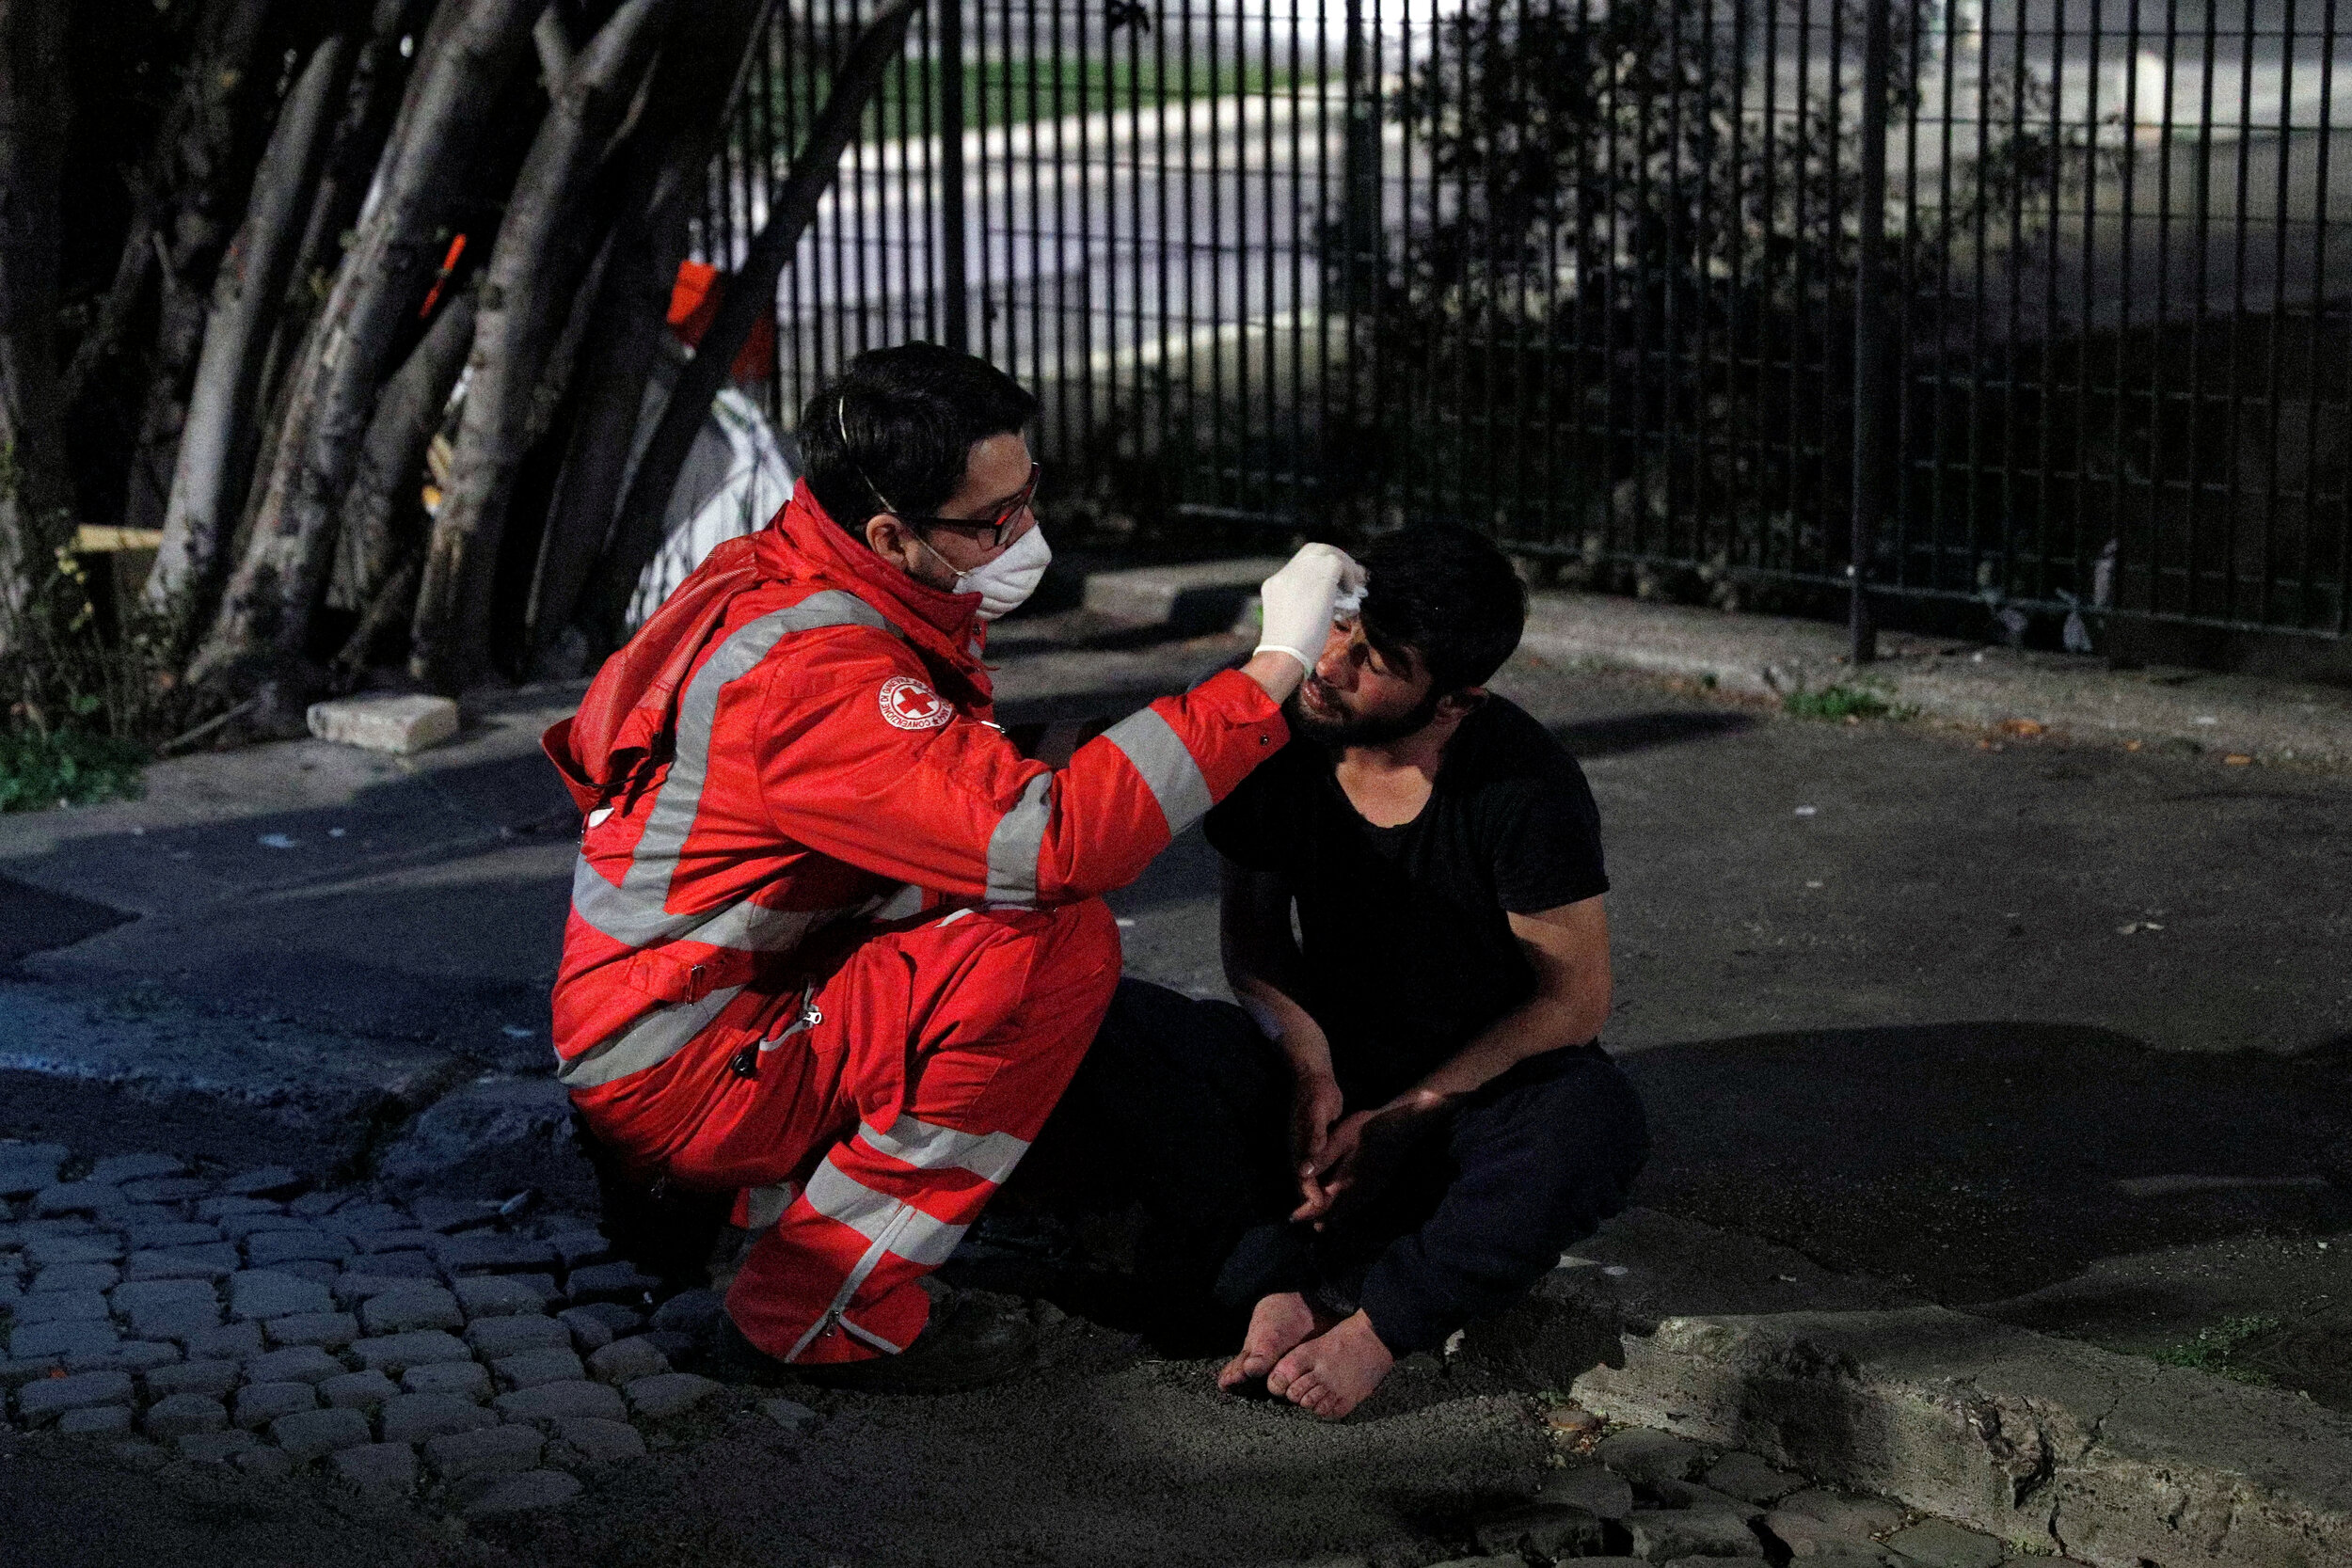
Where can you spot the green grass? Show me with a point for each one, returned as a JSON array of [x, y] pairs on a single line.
[[1839, 703], [1022, 89], [67, 767], [2211, 1350]]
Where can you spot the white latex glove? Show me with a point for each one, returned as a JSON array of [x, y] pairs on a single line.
[[1298, 601]]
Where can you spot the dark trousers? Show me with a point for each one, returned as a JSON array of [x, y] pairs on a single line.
[[1184, 1106]]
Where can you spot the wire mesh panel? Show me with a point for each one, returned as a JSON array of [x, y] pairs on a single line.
[[1583, 273]]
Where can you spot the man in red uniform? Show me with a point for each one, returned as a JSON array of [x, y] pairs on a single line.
[[835, 945]]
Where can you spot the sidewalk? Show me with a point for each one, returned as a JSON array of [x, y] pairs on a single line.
[[2027, 1030], [1952, 681]]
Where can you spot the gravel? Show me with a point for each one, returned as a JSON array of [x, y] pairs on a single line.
[[379, 1467]]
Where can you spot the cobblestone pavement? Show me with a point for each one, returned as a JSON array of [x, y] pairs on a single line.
[[506, 1386]]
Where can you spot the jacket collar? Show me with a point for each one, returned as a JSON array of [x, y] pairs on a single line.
[[807, 545]]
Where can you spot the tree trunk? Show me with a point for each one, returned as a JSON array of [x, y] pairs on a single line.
[[694, 92], [169, 218], [370, 102], [524, 297], [36, 513], [265, 614], [406, 417], [246, 298], [751, 293]]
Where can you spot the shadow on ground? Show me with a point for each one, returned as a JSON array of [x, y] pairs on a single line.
[[1976, 1162]]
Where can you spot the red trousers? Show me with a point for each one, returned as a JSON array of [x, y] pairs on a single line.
[[878, 1110]]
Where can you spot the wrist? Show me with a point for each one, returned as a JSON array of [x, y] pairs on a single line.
[[1416, 1102], [1278, 671]]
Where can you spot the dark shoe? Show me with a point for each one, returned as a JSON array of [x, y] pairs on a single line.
[[968, 1343], [666, 1229], [735, 1360]]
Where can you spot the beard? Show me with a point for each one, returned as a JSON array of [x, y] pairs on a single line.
[[1374, 730]]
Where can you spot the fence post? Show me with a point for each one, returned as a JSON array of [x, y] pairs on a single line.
[[1871, 394], [955, 315]]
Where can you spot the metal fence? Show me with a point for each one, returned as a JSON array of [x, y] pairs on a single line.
[[2033, 303]]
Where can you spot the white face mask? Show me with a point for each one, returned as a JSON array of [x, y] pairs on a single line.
[[1005, 583]]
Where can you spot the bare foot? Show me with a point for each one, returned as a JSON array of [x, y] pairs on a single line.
[[1278, 1325], [1334, 1372]]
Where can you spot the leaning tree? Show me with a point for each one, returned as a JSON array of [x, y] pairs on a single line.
[[298, 226]]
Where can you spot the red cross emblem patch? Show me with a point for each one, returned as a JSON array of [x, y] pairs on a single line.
[[912, 705]]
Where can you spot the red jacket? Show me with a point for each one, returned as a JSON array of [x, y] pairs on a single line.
[[800, 737]]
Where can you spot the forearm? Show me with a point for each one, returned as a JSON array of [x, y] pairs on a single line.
[[1280, 1017], [1544, 1023]]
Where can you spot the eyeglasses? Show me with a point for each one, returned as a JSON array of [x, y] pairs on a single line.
[[997, 526]]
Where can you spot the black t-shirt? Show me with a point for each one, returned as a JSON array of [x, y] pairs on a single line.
[[1409, 951]]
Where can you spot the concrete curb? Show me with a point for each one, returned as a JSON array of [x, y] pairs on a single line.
[[2054, 1446], [1772, 656], [1948, 679]]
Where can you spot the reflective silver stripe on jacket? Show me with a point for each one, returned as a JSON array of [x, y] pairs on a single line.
[[928, 1145], [651, 1040], [1160, 754], [1013, 848], [764, 1205], [635, 912]]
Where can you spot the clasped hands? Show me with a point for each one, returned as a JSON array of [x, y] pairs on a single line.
[[1342, 1157]]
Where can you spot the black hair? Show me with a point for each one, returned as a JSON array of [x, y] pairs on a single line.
[[912, 413], [1446, 594]]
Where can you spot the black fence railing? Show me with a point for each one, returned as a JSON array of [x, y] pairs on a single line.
[[2043, 305]]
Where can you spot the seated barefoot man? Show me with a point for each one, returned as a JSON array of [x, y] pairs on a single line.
[[1435, 1118], [834, 946]]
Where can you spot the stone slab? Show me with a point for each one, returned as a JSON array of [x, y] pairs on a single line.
[[498, 1295], [532, 1367], [213, 1261], [485, 1452], [562, 1402], [414, 1417], [497, 1337], [311, 1433], [52, 1395], [73, 1337], [237, 1341], [667, 1394], [413, 1306], [259, 1404], [259, 1293], [358, 1390], [596, 1440], [298, 1364], [395, 1351], [399, 725], [469, 1378], [332, 1329], [181, 1413], [193, 1377], [105, 1419], [627, 1360]]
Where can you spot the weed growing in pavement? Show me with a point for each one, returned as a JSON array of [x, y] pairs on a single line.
[[2211, 1350], [67, 765], [1842, 702], [85, 701]]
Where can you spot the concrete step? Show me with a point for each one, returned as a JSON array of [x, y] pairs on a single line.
[[2051, 1445]]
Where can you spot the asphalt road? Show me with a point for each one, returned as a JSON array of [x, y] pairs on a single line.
[[2055, 1025]]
